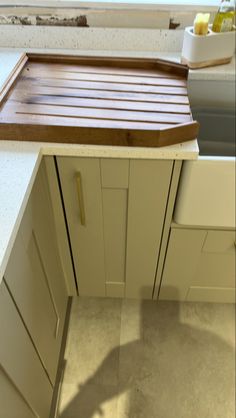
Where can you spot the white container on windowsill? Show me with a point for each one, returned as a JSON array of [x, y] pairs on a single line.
[[207, 50]]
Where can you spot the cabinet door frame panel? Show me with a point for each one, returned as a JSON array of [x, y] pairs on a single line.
[[148, 195], [88, 253]]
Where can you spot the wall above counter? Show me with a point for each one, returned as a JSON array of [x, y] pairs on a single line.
[[149, 15]]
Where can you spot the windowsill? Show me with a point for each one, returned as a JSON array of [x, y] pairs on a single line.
[[185, 5]]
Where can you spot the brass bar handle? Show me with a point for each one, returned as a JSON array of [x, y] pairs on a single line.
[[80, 198]]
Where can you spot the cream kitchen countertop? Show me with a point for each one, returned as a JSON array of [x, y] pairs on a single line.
[[19, 161]]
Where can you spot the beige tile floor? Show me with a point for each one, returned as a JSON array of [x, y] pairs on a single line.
[[140, 359]]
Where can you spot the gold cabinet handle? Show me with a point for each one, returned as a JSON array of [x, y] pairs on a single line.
[[80, 198]]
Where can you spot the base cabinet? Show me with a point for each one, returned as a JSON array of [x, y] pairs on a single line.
[[115, 210], [35, 278], [199, 266], [33, 308]]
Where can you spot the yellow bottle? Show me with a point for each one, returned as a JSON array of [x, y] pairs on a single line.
[[224, 19]]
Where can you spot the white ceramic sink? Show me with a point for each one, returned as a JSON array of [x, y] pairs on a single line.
[[206, 195]]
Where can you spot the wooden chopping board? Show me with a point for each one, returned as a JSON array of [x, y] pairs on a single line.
[[101, 101]]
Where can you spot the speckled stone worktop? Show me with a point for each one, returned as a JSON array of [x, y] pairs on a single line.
[[18, 168], [19, 161]]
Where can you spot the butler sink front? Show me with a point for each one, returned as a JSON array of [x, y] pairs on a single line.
[[206, 194]]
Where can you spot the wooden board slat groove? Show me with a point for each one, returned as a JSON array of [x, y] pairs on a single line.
[[94, 118], [103, 104], [97, 113], [71, 84], [108, 95], [55, 120], [103, 78]]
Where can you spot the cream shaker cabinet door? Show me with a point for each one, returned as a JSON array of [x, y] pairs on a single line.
[[32, 391], [82, 194], [149, 183], [115, 210], [135, 194], [35, 278], [200, 266]]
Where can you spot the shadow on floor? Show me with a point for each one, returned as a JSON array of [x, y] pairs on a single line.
[[173, 371]]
